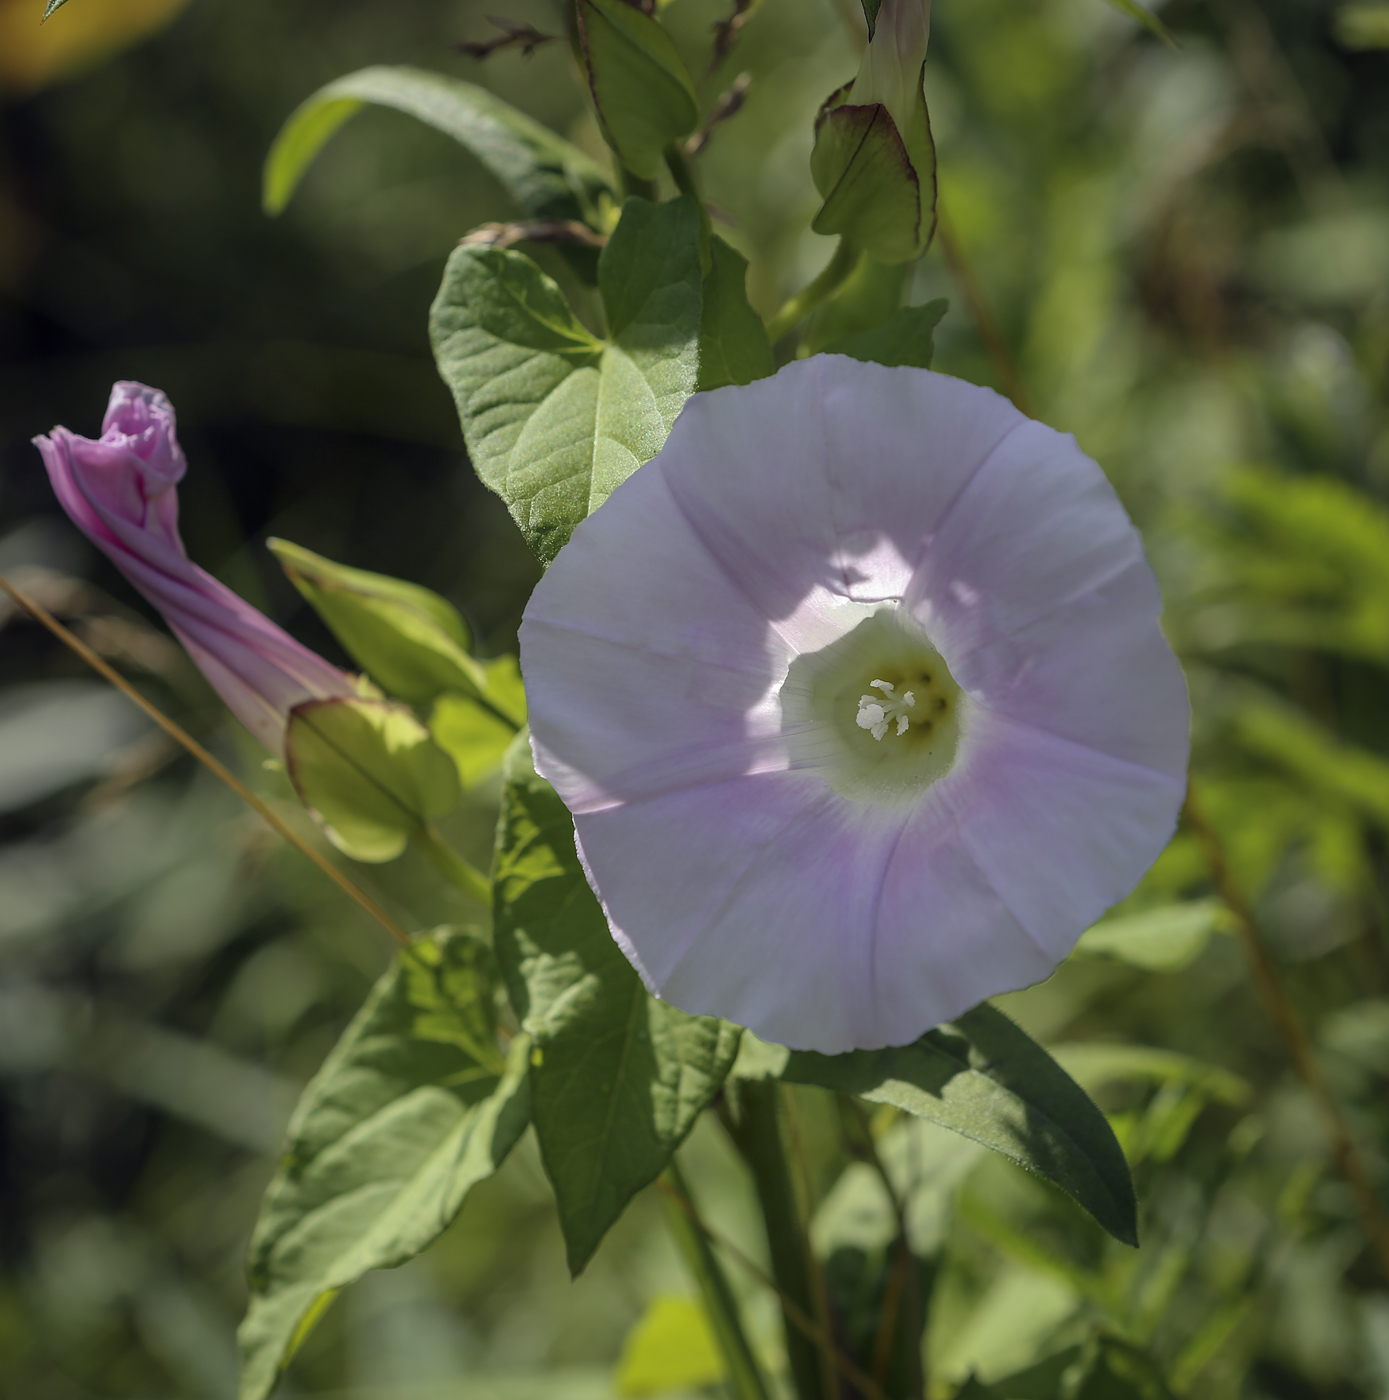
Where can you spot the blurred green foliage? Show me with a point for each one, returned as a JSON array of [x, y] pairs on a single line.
[[1188, 251]]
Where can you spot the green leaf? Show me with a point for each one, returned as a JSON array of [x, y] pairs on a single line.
[[1165, 939], [369, 770], [905, 338], [672, 1347], [1147, 19], [409, 640], [413, 1107], [640, 86], [555, 419], [51, 7], [618, 1078], [733, 344], [985, 1078], [473, 735], [548, 177], [1359, 26]]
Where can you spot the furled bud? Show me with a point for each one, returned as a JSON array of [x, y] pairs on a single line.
[[874, 160], [119, 490]]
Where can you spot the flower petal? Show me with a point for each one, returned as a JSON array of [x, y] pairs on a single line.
[[1060, 830], [1097, 671], [1038, 526], [845, 467], [774, 902]]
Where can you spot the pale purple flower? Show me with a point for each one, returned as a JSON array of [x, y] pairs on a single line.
[[119, 491], [857, 694]]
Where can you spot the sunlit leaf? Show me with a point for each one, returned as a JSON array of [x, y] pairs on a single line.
[[553, 417], [413, 1107], [984, 1077]]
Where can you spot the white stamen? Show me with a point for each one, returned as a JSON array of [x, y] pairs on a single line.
[[878, 714]]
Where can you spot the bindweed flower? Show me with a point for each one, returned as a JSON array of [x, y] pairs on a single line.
[[874, 160], [119, 490], [858, 697]]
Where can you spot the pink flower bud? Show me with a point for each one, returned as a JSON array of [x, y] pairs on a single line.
[[119, 491]]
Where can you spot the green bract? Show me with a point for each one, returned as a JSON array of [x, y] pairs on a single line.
[[370, 771], [409, 640], [639, 83], [879, 183]]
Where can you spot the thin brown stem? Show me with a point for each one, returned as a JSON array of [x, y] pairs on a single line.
[[41, 615], [797, 1315], [1291, 1031], [1004, 365]]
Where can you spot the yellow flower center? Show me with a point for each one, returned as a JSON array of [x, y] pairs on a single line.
[[876, 712]]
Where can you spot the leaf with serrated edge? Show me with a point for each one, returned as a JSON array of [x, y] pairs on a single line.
[[619, 1078], [553, 418], [546, 175], [988, 1080], [413, 1107]]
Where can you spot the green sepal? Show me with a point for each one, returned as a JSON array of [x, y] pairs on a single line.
[[618, 1078], [409, 640], [879, 184], [733, 344], [370, 772], [870, 13], [985, 1078], [474, 735], [413, 1107], [554, 418], [905, 338], [643, 93]]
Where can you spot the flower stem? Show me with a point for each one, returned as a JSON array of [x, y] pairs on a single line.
[[835, 274], [1292, 1032], [41, 615], [1004, 365], [453, 867], [757, 1135], [745, 1378]]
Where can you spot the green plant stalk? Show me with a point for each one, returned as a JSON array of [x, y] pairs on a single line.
[[453, 867], [835, 274], [757, 1135], [744, 1376], [685, 182]]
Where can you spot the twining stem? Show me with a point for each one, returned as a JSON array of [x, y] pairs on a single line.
[[756, 1133], [1291, 1031], [453, 867], [744, 1374], [816, 293], [796, 1315], [41, 615], [1004, 365]]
